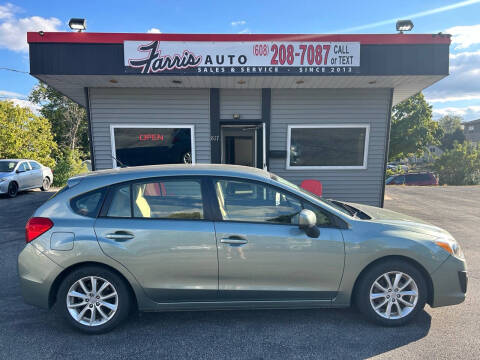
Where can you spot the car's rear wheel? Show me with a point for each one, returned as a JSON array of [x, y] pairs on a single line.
[[12, 189], [46, 184], [93, 299], [391, 293]]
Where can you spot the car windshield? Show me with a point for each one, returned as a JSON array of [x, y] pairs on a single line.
[[306, 192], [7, 166]]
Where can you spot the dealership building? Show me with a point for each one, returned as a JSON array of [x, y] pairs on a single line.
[[301, 106]]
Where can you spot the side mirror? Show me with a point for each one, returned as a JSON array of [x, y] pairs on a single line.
[[307, 221], [18, 171]]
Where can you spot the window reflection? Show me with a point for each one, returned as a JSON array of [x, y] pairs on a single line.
[[152, 146]]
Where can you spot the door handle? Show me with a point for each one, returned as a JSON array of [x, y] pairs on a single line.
[[234, 240], [120, 236]]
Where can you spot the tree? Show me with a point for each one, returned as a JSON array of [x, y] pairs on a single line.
[[25, 135], [68, 119], [450, 123], [449, 139], [412, 128], [459, 165], [68, 164]]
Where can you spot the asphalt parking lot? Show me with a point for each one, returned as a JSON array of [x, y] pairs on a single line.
[[452, 332]]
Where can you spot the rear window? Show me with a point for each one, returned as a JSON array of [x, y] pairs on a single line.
[[88, 204], [35, 165]]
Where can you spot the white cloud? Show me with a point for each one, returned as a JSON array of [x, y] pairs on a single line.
[[463, 83], [13, 29], [25, 103], [466, 112], [245, 31], [154, 31], [464, 36], [410, 16], [7, 10], [6, 93], [238, 22]]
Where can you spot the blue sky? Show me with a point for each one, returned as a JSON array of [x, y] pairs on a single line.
[[459, 93]]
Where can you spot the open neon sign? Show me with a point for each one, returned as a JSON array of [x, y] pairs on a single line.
[[150, 137]]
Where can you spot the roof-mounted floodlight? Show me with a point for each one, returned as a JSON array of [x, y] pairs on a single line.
[[404, 25], [78, 24]]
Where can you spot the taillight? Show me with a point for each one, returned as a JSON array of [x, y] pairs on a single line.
[[36, 226]]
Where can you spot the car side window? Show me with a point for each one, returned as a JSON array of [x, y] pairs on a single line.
[[35, 165], [120, 205], [241, 200], [323, 219], [168, 198], [88, 204], [24, 166]]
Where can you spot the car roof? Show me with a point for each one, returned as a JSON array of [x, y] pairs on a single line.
[[137, 172], [16, 160]]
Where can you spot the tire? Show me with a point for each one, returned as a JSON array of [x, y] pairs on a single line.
[[45, 184], [84, 302], [12, 189], [404, 305], [186, 158]]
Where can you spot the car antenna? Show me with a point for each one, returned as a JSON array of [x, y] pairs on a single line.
[[121, 164]]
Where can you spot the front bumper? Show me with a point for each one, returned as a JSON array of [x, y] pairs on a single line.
[[449, 282], [37, 274], [4, 186]]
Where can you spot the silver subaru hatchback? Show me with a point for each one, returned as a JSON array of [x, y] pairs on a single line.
[[197, 237]]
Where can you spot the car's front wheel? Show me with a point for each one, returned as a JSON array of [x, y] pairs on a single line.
[[93, 299], [12, 189], [391, 293]]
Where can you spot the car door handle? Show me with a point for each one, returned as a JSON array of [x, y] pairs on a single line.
[[120, 236], [234, 240]]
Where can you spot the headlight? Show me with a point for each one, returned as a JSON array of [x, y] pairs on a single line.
[[451, 246]]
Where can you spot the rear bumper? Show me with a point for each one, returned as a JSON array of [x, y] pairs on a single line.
[[449, 283], [37, 274]]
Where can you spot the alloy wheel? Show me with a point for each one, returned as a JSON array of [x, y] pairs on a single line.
[[92, 301], [46, 184], [187, 158], [394, 295], [12, 189]]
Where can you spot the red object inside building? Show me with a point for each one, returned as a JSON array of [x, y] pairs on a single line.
[[312, 185]]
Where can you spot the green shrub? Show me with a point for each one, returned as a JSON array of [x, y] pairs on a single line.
[[396, 171], [69, 164], [459, 165]]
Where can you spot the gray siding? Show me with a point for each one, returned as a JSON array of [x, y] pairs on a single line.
[[148, 106], [246, 102], [330, 106]]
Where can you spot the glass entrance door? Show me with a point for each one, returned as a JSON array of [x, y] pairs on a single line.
[[242, 145]]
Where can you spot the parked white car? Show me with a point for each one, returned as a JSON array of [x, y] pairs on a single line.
[[22, 174]]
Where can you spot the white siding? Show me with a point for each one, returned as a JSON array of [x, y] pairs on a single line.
[[245, 102], [332, 106], [148, 106]]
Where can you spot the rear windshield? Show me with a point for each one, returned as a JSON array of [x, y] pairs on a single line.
[[7, 166], [65, 188]]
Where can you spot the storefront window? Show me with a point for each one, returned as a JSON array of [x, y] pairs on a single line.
[[327, 147], [135, 146]]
